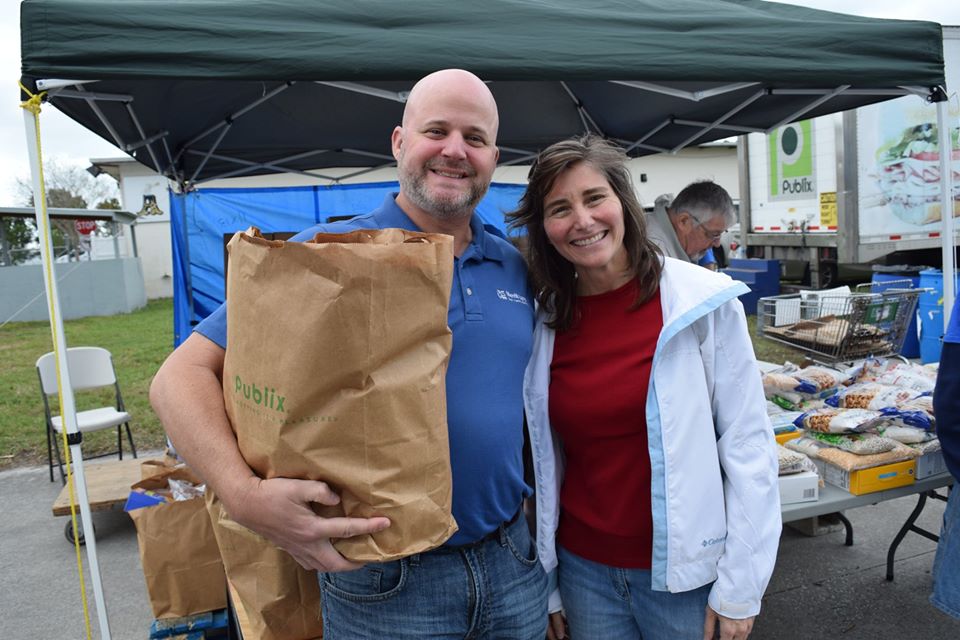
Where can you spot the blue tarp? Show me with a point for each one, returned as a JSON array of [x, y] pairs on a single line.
[[199, 219]]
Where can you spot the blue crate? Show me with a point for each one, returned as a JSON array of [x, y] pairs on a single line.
[[197, 627]]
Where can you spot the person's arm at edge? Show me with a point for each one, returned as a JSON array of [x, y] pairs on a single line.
[[188, 398]]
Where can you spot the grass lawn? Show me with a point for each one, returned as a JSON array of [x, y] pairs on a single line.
[[139, 342], [769, 350]]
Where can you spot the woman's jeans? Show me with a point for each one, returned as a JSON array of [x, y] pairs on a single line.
[[495, 588], [618, 604]]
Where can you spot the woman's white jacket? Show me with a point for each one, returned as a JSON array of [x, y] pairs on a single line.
[[714, 491]]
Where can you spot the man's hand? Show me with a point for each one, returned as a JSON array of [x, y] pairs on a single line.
[[556, 626], [730, 628], [279, 509]]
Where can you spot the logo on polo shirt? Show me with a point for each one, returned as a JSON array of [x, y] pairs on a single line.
[[511, 297]]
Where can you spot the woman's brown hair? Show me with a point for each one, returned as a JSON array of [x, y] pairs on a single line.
[[553, 278]]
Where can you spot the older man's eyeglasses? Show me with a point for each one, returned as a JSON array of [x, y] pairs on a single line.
[[710, 233]]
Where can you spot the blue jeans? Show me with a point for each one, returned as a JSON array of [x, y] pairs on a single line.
[[492, 589], [601, 601], [946, 564]]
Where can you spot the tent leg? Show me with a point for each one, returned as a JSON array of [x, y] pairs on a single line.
[[944, 125], [67, 405]]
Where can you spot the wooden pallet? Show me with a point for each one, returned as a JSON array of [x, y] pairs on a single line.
[[108, 485]]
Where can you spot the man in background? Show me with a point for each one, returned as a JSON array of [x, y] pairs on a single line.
[[693, 223]]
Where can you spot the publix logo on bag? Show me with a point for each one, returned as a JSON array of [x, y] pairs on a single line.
[[262, 396]]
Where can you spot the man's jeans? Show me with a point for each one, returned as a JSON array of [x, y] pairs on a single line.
[[606, 602], [491, 589], [946, 564]]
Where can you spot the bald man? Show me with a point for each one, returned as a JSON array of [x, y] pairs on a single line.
[[485, 582]]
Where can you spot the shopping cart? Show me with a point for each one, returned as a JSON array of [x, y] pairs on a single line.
[[840, 325]]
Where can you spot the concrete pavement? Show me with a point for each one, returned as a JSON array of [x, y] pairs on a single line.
[[821, 588]]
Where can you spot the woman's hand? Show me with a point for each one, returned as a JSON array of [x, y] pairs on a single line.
[[730, 628], [556, 626]]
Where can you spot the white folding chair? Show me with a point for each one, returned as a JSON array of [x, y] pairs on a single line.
[[90, 368]]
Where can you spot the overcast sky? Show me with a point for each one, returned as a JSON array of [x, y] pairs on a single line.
[[69, 142]]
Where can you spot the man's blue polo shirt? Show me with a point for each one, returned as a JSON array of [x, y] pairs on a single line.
[[491, 316]]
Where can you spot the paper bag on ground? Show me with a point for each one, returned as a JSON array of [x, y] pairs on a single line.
[[274, 597], [335, 365], [178, 552]]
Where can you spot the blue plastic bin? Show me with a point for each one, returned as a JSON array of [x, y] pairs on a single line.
[[930, 314]]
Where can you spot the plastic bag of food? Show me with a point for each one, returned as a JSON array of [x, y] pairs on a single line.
[[906, 435], [807, 446], [778, 382], [870, 395], [894, 416], [185, 490], [784, 422], [790, 461], [909, 379], [815, 379], [930, 446], [858, 443], [851, 461], [923, 402], [832, 420]]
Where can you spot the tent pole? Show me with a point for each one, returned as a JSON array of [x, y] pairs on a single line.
[[67, 406], [946, 207]]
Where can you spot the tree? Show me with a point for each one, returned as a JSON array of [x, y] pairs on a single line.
[[17, 244], [69, 187]]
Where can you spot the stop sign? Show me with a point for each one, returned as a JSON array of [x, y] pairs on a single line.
[[85, 227]]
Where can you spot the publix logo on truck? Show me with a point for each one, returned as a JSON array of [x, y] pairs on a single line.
[[792, 167]]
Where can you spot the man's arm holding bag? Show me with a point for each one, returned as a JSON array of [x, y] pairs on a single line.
[[188, 397]]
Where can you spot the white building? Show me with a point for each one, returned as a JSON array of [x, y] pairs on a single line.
[[652, 175]]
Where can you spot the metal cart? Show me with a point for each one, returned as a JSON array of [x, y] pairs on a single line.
[[836, 326]]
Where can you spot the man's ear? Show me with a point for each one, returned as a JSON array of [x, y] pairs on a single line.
[[396, 141], [496, 155]]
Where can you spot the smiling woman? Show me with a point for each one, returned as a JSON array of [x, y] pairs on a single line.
[[610, 308]]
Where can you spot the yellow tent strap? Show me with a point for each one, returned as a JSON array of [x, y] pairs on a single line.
[[33, 106]]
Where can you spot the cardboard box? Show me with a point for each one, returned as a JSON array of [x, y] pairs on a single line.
[[873, 479], [930, 464], [799, 487]]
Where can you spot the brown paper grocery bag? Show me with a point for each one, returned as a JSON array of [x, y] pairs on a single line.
[[178, 552], [334, 370], [274, 597]]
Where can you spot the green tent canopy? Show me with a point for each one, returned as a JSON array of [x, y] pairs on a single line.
[[205, 89]]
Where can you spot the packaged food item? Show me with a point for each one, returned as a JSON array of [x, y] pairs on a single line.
[[908, 378], [816, 379], [906, 435], [807, 446], [930, 446], [858, 443], [832, 420], [778, 382], [923, 402], [785, 421], [894, 416], [870, 395], [790, 461], [851, 461]]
